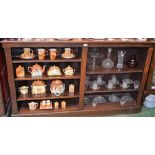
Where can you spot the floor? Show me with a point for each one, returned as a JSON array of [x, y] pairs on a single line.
[[144, 113]]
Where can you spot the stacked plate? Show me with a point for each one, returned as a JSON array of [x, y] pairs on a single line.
[[150, 101]]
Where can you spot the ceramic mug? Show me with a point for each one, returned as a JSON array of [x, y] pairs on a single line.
[[23, 90], [53, 53], [42, 53], [28, 52], [33, 105]]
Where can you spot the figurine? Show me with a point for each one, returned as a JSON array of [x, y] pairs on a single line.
[[108, 63], [54, 71], [69, 70], [20, 71], [38, 87], [36, 70], [57, 87]]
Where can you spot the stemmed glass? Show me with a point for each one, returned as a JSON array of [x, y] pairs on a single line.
[[94, 55]]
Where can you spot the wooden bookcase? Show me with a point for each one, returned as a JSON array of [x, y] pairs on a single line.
[[75, 103]]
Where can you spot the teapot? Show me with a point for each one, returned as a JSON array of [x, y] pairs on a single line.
[[54, 71], [20, 72], [36, 70], [33, 105], [69, 70]]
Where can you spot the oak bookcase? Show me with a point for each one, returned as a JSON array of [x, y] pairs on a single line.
[[75, 103]]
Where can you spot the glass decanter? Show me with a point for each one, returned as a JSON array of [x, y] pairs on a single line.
[[121, 55], [108, 63]]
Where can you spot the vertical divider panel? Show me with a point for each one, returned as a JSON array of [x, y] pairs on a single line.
[[11, 80], [145, 75], [83, 74], [1, 103], [151, 71]]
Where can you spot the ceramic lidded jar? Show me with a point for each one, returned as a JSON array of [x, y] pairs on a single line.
[[20, 71], [132, 62], [54, 71], [69, 70], [38, 87]]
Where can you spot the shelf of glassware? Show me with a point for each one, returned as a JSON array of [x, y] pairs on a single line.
[[114, 70], [114, 90]]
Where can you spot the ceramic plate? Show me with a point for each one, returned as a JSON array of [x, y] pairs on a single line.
[[63, 56]]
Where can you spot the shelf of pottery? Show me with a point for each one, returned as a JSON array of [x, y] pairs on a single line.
[[113, 77], [47, 78]]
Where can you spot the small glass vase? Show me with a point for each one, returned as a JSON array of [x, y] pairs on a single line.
[[132, 62], [121, 55]]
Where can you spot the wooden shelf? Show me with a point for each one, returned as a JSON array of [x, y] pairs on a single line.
[[101, 70], [26, 112], [106, 90], [28, 77], [47, 96], [109, 105], [18, 60], [149, 91]]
